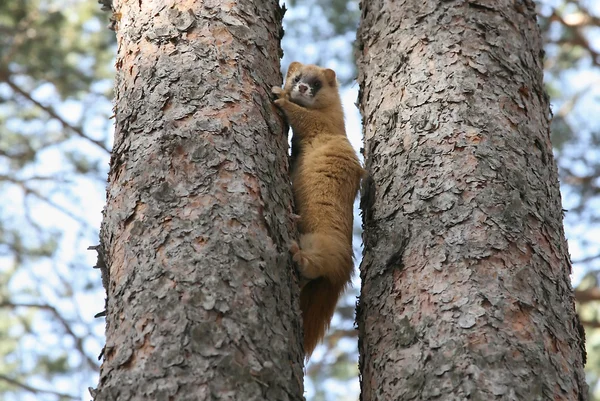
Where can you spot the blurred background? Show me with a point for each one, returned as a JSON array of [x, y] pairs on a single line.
[[56, 72]]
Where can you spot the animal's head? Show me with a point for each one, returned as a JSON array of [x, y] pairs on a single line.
[[311, 86]]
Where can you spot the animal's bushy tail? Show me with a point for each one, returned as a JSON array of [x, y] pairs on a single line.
[[318, 299], [327, 259]]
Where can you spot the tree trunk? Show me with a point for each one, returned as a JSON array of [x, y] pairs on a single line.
[[195, 229], [466, 291]]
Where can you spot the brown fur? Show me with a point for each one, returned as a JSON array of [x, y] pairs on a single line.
[[325, 176]]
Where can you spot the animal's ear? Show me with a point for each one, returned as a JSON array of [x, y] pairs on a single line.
[[295, 66], [330, 77]]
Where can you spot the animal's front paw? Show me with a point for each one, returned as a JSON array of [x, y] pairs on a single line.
[[278, 94], [280, 102], [277, 91]]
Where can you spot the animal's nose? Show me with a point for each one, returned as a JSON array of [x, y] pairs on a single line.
[[302, 88]]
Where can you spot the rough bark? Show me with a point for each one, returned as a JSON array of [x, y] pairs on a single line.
[[195, 230], [466, 291]]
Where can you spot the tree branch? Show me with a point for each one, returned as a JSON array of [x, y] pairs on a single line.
[[589, 295], [28, 190], [78, 131], [78, 340], [586, 259], [35, 390], [578, 39], [590, 324]]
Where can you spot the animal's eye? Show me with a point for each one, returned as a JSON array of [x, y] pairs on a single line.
[[297, 79], [317, 85]]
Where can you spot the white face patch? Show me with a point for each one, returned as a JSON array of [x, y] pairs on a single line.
[[302, 94]]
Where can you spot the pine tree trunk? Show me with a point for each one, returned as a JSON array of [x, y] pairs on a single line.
[[195, 230], [466, 291]]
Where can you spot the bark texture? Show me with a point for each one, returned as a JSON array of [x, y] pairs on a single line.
[[466, 291], [195, 230]]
